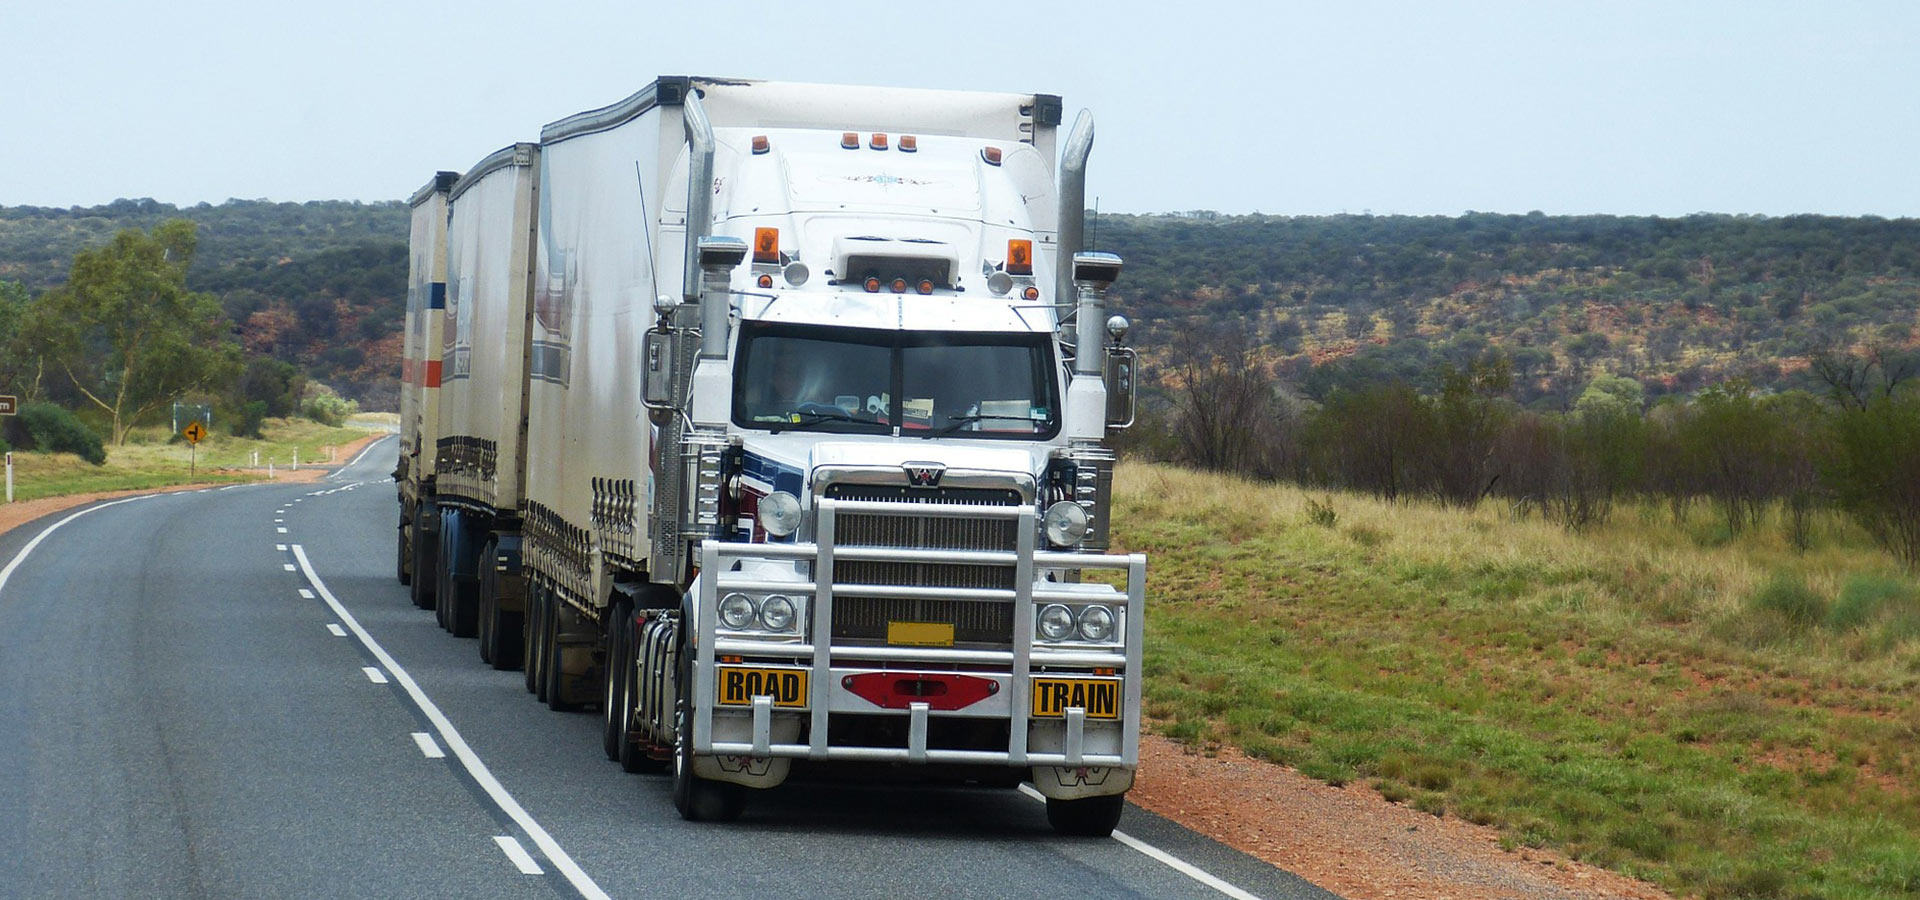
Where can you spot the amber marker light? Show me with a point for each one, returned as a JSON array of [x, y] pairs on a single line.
[[1031, 293], [873, 284], [908, 143], [766, 281], [849, 140], [925, 286], [760, 144], [1019, 257], [991, 155], [878, 142], [766, 245], [899, 285]]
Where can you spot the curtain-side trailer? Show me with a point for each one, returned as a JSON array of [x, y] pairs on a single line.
[[816, 382], [420, 383]]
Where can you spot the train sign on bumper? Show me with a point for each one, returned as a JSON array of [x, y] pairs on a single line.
[[1052, 697]]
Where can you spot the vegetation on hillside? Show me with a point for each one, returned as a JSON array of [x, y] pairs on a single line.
[[1728, 716]]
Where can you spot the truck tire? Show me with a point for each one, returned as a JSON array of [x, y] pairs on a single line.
[[423, 566], [499, 629], [696, 798], [530, 635], [554, 678], [616, 710], [1087, 816], [403, 557]]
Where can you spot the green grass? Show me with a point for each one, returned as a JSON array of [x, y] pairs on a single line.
[[151, 458], [1728, 718]]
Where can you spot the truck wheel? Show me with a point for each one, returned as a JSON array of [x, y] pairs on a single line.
[[499, 629], [698, 799], [1087, 816], [423, 559], [403, 557], [530, 635], [616, 711], [554, 682]]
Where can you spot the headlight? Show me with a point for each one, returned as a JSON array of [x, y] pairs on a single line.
[[780, 513], [1096, 624], [1056, 622], [776, 613], [1066, 523], [736, 610]]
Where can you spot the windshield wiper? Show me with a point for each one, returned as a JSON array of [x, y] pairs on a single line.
[[816, 417], [954, 423]]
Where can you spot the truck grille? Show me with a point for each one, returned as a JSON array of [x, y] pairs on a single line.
[[862, 619]]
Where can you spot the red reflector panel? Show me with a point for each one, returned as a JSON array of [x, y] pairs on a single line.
[[938, 690]]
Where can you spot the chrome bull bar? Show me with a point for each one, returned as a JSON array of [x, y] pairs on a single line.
[[1026, 596]]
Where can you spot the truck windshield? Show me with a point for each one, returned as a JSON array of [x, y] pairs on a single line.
[[966, 384]]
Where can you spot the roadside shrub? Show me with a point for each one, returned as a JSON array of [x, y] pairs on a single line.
[[252, 415], [1321, 513], [1863, 599], [1791, 599], [55, 430], [326, 407]]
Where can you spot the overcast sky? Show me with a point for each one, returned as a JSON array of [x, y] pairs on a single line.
[[1667, 107]]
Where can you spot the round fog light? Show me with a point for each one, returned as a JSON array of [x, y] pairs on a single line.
[[1066, 523], [736, 610], [777, 613], [1056, 622], [1096, 624], [780, 513]]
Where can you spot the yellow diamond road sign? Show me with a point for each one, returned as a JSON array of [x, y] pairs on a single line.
[[194, 432]]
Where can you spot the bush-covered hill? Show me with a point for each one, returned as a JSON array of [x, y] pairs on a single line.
[[1673, 303]]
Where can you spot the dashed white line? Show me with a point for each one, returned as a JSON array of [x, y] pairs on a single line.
[[521, 859], [306, 594], [1164, 858], [281, 530], [276, 521], [450, 736], [280, 547], [337, 630], [374, 675], [428, 748], [289, 567]]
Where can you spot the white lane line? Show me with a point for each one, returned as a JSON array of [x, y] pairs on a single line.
[[306, 594], [290, 567], [521, 859], [428, 748], [278, 521], [283, 530], [280, 547], [337, 630], [1164, 858], [20, 557], [374, 675], [450, 736], [363, 452]]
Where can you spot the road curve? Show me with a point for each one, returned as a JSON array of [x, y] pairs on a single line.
[[220, 693]]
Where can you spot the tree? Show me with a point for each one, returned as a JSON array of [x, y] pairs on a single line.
[[128, 333], [1876, 473], [20, 360]]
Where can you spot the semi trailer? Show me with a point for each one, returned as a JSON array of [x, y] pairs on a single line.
[[770, 419]]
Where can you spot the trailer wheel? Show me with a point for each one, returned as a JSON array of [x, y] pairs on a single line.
[[499, 629], [553, 684], [698, 799], [530, 635], [403, 556], [423, 566], [1087, 816], [616, 711]]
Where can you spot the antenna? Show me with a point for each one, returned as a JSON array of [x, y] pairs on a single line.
[[1093, 234]]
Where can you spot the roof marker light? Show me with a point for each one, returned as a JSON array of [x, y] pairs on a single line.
[[849, 140], [873, 284], [991, 155], [766, 245], [760, 144], [878, 142], [899, 285], [908, 144], [1019, 257], [925, 286]]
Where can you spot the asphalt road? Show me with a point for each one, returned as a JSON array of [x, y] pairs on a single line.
[[225, 693]]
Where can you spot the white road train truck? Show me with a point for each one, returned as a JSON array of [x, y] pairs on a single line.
[[772, 424]]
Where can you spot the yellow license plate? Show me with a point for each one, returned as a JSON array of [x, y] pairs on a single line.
[[920, 634], [738, 686], [1099, 697]]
